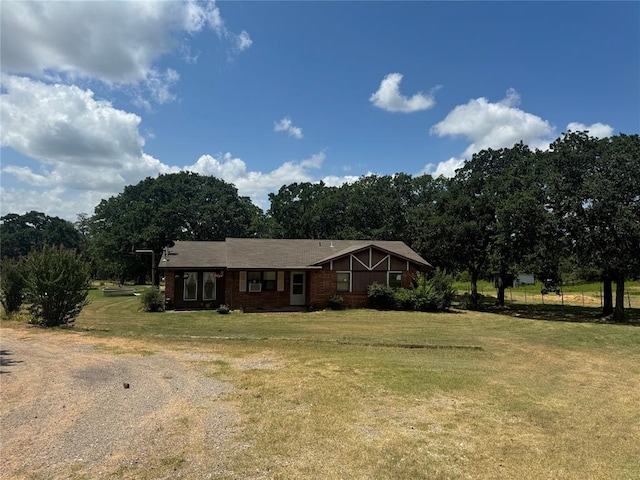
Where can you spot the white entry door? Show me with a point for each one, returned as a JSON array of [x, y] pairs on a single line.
[[298, 288]]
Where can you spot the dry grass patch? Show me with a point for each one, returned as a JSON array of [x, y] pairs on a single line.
[[521, 408], [315, 398]]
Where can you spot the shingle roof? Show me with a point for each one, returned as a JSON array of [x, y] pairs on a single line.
[[195, 254], [283, 254]]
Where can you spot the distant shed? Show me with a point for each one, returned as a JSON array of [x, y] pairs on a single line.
[[523, 279]]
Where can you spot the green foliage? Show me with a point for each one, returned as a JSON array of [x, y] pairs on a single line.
[[34, 230], [152, 300], [223, 310], [429, 294], [381, 296], [179, 206], [307, 210], [57, 285], [404, 299], [336, 302], [433, 294], [594, 194], [12, 284]]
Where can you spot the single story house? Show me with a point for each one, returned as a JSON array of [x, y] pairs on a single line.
[[276, 274]]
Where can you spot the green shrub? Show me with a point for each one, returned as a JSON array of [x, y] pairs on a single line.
[[381, 296], [12, 284], [152, 300], [336, 302], [57, 285], [223, 310], [403, 299], [433, 294]]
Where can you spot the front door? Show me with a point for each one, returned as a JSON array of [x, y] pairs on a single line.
[[298, 288]]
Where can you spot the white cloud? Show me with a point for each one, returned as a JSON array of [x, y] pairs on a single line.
[[285, 125], [389, 98], [243, 41], [117, 43], [598, 130], [335, 181], [495, 125], [85, 149], [57, 202], [447, 168], [256, 184], [65, 124], [81, 143]]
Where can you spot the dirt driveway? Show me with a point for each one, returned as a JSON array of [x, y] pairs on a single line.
[[65, 411]]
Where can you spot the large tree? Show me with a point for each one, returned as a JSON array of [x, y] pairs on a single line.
[[373, 207], [597, 197], [34, 230], [307, 210], [377, 207], [179, 206], [491, 215], [428, 221]]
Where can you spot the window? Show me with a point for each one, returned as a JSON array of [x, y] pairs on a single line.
[[269, 281], [394, 279], [190, 285], [209, 286], [259, 281], [344, 281], [254, 281]]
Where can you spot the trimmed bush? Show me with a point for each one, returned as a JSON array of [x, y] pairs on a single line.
[[57, 285], [404, 299], [429, 294], [152, 300], [336, 302], [12, 284], [381, 296], [433, 294]]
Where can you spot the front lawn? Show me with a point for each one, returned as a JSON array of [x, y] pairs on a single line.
[[369, 394]]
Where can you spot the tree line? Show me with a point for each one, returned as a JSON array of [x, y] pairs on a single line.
[[571, 210]]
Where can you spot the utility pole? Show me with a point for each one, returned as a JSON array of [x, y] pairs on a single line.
[[153, 265]]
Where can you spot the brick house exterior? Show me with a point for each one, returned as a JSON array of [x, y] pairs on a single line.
[[275, 274]]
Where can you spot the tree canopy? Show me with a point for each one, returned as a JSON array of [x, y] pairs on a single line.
[[34, 230], [177, 206], [508, 210]]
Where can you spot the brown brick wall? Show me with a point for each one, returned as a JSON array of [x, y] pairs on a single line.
[[170, 287], [323, 285], [267, 300]]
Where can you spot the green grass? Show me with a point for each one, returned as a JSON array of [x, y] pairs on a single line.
[[544, 393]]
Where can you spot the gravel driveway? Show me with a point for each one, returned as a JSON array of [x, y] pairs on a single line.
[[65, 411]]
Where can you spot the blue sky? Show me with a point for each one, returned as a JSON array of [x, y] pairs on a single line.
[[99, 95]]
